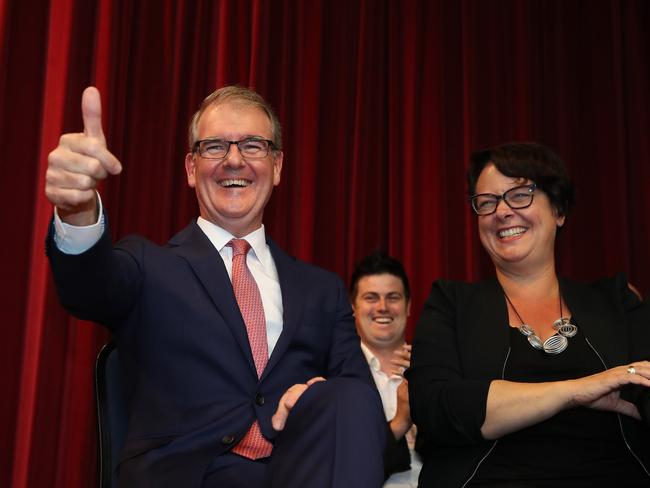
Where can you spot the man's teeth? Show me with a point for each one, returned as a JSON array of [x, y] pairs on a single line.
[[383, 320], [513, 231], [228, 183]]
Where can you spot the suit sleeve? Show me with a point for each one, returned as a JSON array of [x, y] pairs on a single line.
[[397, 457], [637, 315], [447, 407], [100, 284], [345, 357]]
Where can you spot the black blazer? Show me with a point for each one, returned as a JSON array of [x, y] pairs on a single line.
[[460, 346], [174, 316]]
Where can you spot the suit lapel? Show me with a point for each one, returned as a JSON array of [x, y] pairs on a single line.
[[193, 245], [486, 328], [291, 287], [598, 320]]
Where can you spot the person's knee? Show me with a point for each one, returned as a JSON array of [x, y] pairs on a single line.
[[345, 391], [335, 423], [339, 396]]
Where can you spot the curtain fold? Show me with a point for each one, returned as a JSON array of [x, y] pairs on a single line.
[[381, 103]]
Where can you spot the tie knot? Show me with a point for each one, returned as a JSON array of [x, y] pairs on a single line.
[[239, 246]]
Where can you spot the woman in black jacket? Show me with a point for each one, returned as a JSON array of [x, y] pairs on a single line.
[[528, 379]]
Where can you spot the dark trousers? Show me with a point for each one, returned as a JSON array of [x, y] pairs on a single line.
[[334, 438]]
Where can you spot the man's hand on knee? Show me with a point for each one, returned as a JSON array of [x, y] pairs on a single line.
[[288, 401]]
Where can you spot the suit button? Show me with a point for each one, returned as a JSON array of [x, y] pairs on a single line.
[[259, 399], [227, 439]]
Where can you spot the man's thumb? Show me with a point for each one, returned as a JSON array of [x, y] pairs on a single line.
[[91, 109]]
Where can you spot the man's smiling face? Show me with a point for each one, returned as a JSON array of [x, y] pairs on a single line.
[[232, 192], [380, 310]]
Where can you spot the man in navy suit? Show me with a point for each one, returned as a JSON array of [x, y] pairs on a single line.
[[197, 398]]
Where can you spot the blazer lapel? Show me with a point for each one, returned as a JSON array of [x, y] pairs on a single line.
[[193, 245], [292, 305], [486, 329], [598, 320]]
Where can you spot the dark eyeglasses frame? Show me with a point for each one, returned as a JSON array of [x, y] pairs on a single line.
[[504, 196], [270, 148]]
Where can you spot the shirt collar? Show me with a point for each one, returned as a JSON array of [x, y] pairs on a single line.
[[221, 237], [373, 362], [375, 365]]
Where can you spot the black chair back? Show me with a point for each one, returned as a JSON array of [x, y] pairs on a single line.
[[112, 412]]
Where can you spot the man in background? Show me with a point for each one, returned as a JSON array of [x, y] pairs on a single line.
[[381, 300]]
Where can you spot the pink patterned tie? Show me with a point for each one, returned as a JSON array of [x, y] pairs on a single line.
[[253, 445]]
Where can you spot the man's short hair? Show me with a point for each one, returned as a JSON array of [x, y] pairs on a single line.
[[378, 263], [239, 94]]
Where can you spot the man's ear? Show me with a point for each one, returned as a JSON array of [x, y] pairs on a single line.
[[190, 169], [277, 167]]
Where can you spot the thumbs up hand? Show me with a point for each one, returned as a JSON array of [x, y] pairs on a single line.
[[78, 164]]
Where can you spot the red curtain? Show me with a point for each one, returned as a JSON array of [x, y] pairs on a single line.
[[381, 103]]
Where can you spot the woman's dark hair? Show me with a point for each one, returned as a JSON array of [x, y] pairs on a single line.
[[527, 160]]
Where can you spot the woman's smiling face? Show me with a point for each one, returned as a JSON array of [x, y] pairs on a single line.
[[516, 237]]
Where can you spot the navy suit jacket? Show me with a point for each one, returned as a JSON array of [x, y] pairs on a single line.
[[183, 342]]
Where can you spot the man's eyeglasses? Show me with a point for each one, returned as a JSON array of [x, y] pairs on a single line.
[[517, 197], [251, 147]]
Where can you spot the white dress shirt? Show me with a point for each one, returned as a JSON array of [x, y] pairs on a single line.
[[387, 387], [72, 239], [260, 262], [386, 384]]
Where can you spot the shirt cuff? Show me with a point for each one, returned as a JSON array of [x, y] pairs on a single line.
[[73, 239]]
